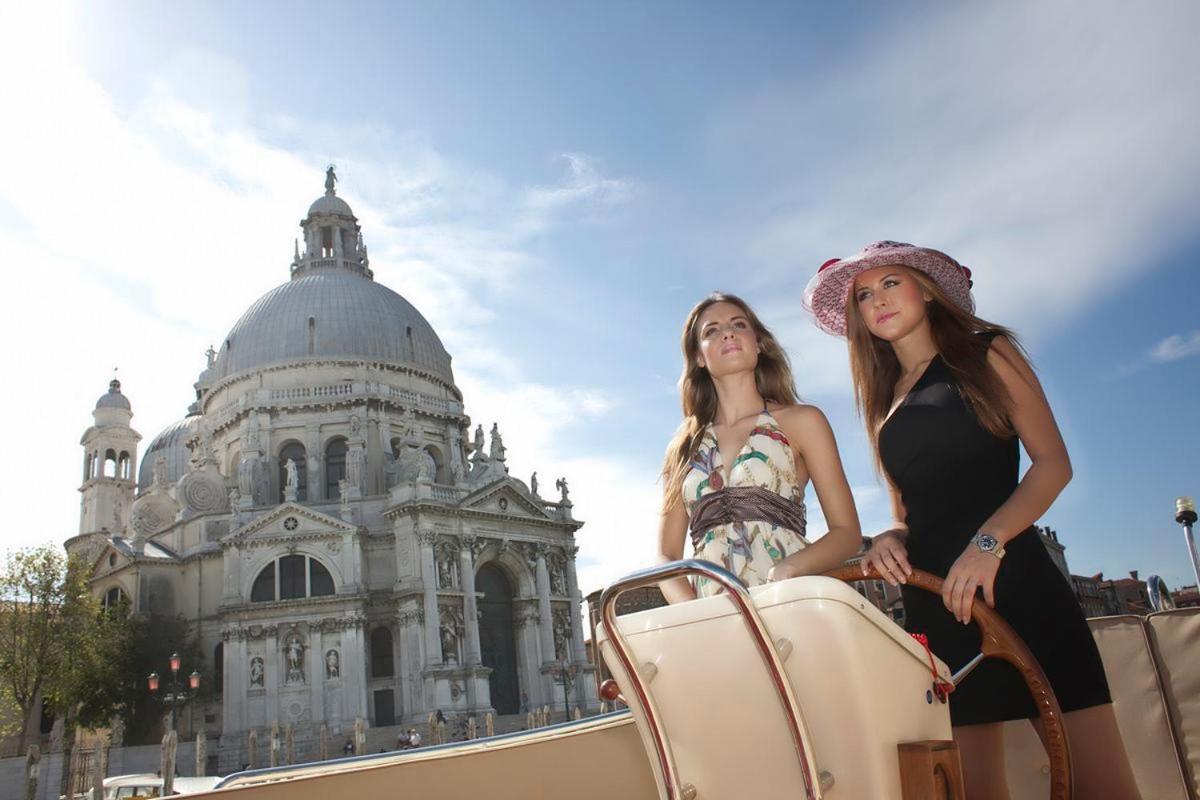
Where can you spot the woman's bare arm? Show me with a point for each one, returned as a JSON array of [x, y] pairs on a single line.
[[812, 438], [672, 530], [1050, 468]]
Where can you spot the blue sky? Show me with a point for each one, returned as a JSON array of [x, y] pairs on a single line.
[[555, 184]]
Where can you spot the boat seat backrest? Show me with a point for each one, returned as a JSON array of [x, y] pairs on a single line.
[[1140, 704], [1176, 639], [1143, 709]]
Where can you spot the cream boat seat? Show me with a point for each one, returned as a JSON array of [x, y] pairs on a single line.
[[862, 684], [1176, 638], [1142, 715]]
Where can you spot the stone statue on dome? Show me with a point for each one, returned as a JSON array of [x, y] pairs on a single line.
[[497, 452], [478, 443], [330, 180]]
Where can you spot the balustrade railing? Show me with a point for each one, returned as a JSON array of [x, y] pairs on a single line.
[[346, 389]]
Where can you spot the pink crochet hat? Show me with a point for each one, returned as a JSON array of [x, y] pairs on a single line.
[[826, 294]]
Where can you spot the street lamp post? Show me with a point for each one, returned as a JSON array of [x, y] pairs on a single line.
[[1185, 515], [566, 674], [175, 696]]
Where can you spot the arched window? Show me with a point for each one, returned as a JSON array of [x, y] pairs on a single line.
[[381, 653], [320, 582], [431, 465], [123, 463], [219, 666], [264, 585], [335, 467], [294, 451], [110, 464], [292, 577], [113, 598]]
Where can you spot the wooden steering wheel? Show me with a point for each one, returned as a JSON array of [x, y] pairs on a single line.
[[1001, 641]]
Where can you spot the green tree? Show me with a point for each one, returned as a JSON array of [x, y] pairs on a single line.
[[47, 626], [117, 686]]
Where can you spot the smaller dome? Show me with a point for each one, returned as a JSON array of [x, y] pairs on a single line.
[[113, 397], [171, 443], [331, 204]]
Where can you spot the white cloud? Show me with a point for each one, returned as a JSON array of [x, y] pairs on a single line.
[[1027, 140], [1175, 347], [583, 182]]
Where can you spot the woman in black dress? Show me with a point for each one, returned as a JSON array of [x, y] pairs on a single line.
[[946, 396]]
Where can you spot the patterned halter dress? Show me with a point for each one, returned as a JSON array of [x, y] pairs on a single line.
[[748, 548]]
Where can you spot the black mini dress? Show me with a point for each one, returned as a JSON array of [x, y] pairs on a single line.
[[952, 475]]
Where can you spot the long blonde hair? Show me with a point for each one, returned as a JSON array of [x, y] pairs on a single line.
[[698, 395], [875, 368]]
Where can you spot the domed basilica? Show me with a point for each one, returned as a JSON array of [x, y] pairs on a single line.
[[342, 543]]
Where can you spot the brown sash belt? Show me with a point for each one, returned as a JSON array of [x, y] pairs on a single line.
[[744, 504]]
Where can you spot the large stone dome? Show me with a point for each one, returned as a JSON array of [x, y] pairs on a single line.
[[332, 312]]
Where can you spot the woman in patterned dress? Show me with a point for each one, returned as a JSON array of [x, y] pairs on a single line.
[[736, 471]]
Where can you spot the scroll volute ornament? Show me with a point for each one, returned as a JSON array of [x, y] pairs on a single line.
[[1001, 641]]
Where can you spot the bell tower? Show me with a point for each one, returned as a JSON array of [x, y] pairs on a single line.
[[109, 465]]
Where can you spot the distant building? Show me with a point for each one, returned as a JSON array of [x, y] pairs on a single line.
[[1132, 596], [1186, 597], [1093, 597], [341, 545], [1102, 598], [1057, 551]]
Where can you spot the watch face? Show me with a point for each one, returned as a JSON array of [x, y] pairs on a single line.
[[986, 541]]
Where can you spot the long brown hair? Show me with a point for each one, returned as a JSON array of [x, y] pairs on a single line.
[[698, 395], [875, 368]]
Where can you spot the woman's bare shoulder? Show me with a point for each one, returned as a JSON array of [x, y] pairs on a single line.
[[799, 417]]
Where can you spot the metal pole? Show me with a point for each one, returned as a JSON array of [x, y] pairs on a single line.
[[174, 697], [566, 695], [1185, 515]]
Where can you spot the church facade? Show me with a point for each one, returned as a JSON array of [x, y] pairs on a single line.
[[342, 542]]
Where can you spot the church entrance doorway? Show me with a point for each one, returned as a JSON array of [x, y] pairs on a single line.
[[385, 708], [496, 640]]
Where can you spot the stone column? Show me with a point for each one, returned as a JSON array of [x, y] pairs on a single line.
[[271, 668], [543, 594], [360, 642], [354, 671], [317, 673], [233, 692], [466, 567], [351, 564], [578, 654], [433, 643], [316, 460], [232, 567]]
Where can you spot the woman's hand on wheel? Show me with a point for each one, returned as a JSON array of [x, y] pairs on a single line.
[[889, 557], [974, 569]]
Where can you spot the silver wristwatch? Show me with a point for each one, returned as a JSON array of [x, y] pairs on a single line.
[[988, 544]]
